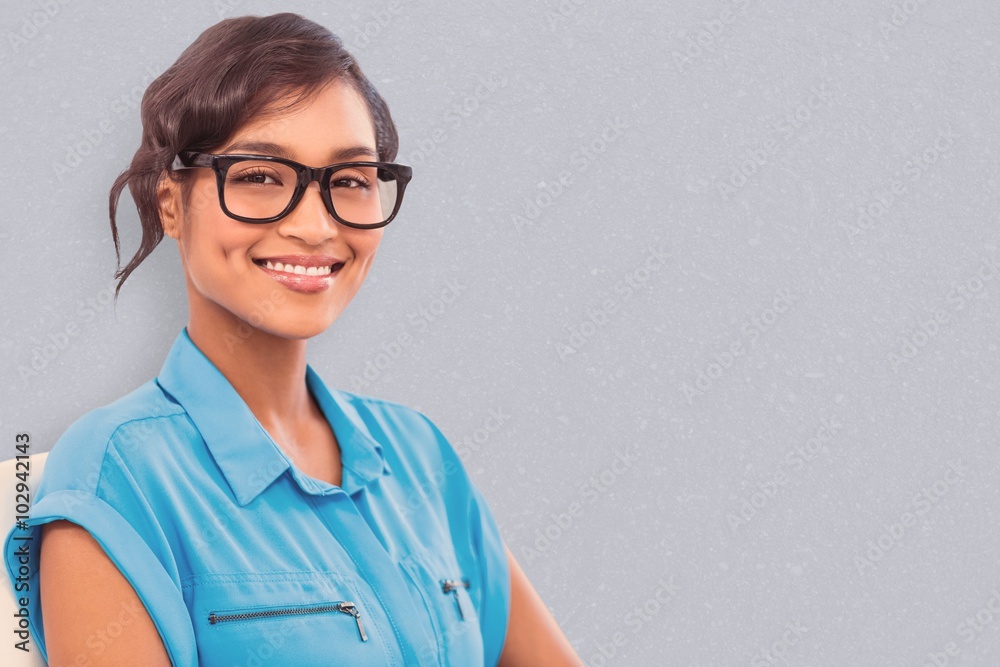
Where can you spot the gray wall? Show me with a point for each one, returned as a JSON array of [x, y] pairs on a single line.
[[724, 354]]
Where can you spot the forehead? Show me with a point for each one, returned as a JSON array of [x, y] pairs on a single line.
[[330, 119]]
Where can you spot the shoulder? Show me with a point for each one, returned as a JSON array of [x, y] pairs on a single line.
[[392, 418], [104, 434], [384, 411], [87, 481], [409, 432]]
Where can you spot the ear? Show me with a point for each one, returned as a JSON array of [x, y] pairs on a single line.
[[168, 196]]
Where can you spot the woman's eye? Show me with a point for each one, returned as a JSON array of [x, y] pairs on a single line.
[[353, 178], [349, 182], [256, 178]]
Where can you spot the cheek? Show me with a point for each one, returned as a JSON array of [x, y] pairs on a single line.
[[215, 248], [364, 255], [203, 200], [366, 243]]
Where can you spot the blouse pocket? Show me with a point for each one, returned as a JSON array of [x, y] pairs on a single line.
[[445, 591], [305, 618], [345, 606]]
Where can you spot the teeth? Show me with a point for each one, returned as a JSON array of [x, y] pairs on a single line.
[[297, 269]]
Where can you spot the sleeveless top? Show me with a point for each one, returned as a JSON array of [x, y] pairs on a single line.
[[240, 558]]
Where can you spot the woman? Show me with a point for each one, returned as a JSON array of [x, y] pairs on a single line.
[[236, 510]]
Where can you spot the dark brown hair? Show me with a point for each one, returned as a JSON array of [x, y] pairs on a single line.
[[231, 74]]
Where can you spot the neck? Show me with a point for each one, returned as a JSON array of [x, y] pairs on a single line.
[[267, 371]]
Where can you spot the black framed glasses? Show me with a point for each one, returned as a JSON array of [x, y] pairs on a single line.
[[264, 188]]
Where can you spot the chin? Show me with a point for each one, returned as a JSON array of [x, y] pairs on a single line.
[[279, 314], [299, 331]]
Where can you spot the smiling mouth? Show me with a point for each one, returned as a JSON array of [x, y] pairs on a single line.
[[298, 269]]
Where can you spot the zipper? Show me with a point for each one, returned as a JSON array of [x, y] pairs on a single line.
[[452, 586], [346, 607]]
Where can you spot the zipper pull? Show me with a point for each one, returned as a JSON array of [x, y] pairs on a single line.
[[349, 608], [451, 586]]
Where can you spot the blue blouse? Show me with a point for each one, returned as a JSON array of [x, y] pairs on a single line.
[[240, 558]]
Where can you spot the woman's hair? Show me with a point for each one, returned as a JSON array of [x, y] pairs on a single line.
[[233, 73]]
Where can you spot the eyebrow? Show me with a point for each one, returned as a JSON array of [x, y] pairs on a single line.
[[268, 148]]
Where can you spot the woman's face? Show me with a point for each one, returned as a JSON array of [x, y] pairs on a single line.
[[224, 259]]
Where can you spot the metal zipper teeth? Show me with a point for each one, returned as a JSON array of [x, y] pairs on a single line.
[[346, 607], [452, 585]]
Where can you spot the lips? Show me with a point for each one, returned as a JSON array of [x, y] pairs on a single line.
[[292, 262], [302, 273]]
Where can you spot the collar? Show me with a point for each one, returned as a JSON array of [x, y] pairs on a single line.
[[244, 451]]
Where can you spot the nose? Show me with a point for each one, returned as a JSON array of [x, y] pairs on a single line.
[[309, 221]]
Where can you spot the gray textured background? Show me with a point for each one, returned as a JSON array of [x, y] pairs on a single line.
[[820, 185]]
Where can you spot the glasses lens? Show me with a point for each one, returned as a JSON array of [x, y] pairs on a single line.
[[261, 189], [363, 195], [258, 188]]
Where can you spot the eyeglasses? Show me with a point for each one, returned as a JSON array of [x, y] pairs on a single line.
[[263, 188]]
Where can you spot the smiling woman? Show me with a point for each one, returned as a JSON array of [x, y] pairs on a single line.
[[243, 512]]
